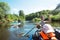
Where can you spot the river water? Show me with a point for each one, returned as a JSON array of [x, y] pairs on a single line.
[[12, 32]]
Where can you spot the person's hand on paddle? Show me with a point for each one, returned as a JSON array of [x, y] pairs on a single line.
[[38, 26]]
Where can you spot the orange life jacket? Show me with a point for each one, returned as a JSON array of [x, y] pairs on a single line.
[[45, 36]]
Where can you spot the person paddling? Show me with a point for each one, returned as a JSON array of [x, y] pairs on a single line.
[[37, 36], [47, 31]]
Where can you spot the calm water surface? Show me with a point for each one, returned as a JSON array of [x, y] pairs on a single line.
[[11, 33]]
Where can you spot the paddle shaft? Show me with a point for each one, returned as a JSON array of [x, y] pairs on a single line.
[[29, 31]]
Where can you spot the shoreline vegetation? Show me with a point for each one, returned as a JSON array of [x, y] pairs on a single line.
[[6, 17]]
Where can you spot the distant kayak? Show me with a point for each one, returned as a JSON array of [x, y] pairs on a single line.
[[15, 23]]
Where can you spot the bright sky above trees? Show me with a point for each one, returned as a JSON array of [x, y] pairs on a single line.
[[29, 6]]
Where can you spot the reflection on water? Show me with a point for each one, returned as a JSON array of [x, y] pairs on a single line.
[[12, 32], [4, 34], [55, 24]]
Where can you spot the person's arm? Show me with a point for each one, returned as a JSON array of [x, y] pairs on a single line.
[[49, 19]]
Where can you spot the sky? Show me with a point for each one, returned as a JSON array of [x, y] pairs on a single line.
[[31, 6]]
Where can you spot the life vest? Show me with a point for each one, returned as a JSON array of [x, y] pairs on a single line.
[[44, 36], [47, 36]]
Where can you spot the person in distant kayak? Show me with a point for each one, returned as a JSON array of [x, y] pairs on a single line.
[[19, 21]]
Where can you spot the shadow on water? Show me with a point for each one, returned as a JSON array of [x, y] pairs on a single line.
[[4, 34]]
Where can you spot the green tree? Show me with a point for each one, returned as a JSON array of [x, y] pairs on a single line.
[[21, 13], [4, 9], [56, 10], [37, 14], [21, 16]]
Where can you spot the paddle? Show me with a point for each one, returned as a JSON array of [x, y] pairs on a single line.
[[38, 26], [29, 31]]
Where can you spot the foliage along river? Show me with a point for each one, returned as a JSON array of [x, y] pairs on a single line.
[[11, 33]]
